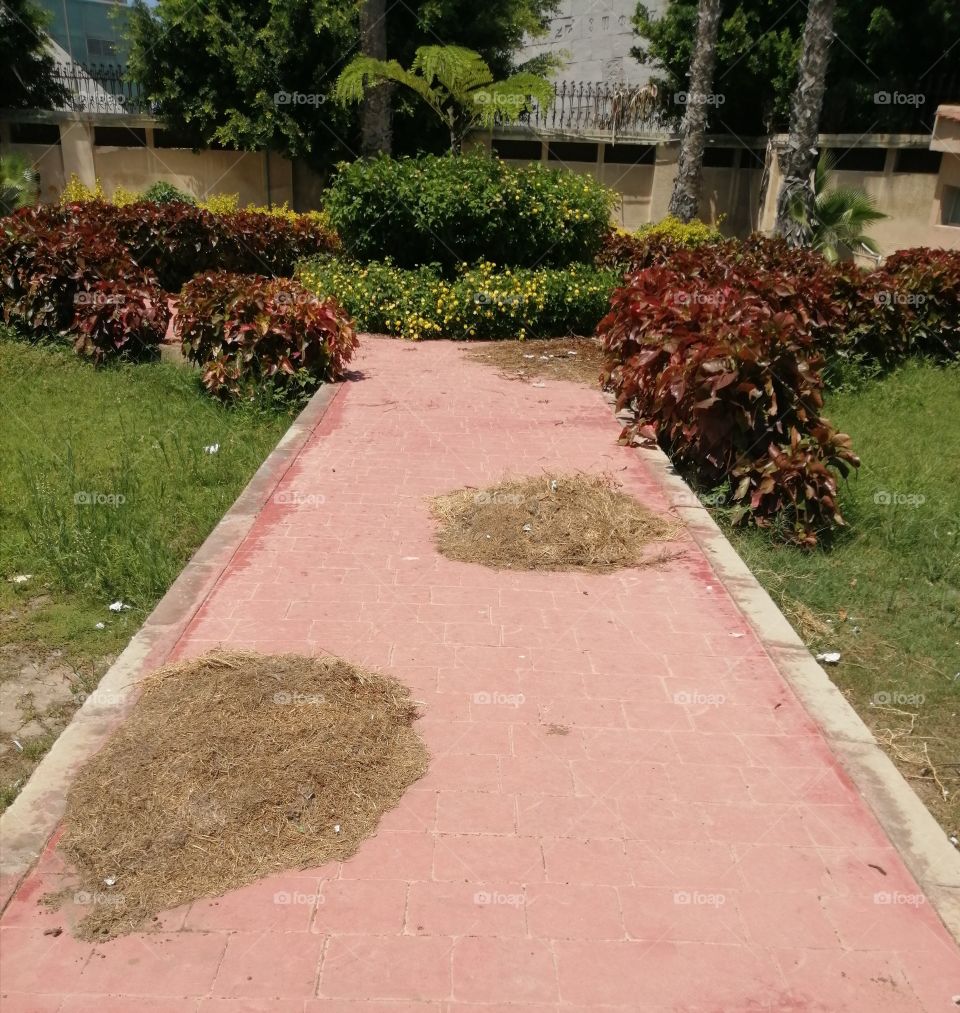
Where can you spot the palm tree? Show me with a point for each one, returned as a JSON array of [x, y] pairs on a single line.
[[376, 119], [795, 202], [457, 85], [685, 199], [840, 216], [19, 184]]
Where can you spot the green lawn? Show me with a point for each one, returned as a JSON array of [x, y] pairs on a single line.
[[106, 492], [886, 593]]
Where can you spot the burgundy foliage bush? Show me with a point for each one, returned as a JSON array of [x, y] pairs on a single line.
[[243, 329], [116, 316]]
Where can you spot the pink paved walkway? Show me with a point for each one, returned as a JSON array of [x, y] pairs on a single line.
[[687, 843]]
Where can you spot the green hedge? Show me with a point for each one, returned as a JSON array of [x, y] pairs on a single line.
[[445, 210], [479, 302]]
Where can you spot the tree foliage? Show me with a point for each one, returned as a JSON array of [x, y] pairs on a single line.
[[454, 82], [214, 69], [759, 45], [26, 65]]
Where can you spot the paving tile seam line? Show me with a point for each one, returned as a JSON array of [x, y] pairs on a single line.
[[29, 822], [921, 842]]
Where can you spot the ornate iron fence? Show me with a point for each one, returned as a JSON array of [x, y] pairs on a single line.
[[101, 88], [581, 107]]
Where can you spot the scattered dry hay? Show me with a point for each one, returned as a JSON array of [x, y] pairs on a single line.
[[230, 768], [556, 522], [577, 359]]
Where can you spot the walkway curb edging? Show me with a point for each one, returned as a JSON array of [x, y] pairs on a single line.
[[31, 819], [924, 847]]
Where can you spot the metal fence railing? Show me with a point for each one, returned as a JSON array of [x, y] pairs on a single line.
[[582, 107], [100, 88]]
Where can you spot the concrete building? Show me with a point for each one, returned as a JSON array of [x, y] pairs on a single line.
[[91, 31], [594, 38]]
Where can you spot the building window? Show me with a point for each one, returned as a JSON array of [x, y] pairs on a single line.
[[719, 158], [120, 137], [34, 133], [859, 159], [629, 154], [101, 50], [950, 214], [917, 160], [519, 151], [572, 151]]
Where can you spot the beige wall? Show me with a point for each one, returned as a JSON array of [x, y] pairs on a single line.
[[912, 201], [201, 173]]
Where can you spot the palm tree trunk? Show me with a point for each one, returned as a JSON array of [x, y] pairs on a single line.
[[685, 200], [376, 120], [795, 201]]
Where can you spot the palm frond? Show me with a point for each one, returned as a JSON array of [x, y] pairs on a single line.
[[510, 99], [364, 72], [459, 70]]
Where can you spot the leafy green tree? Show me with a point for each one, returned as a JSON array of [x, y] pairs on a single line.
[[19, 183], [758, 49], [213, 69], [26, 66], [248, 74], [454, 82]]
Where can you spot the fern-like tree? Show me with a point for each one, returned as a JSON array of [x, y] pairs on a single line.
[[840, 216], [19, 184], [455, 83]]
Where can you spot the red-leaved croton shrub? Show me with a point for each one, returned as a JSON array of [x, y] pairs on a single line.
[[114, 317], [49, 263], [244, 329], [928, 282], [720, 366]]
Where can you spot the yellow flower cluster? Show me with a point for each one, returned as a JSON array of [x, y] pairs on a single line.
[[76, 192]]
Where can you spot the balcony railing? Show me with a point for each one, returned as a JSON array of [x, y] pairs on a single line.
[[591, 107], [100, 88]]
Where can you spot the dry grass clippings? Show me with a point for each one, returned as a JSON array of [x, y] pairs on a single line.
[[576, 359], [229, 768], [554, 522]]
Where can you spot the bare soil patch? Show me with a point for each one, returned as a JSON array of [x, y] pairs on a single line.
[[577, 359], [229, 768], [554, 522]]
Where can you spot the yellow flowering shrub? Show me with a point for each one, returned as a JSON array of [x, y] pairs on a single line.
[[687, 234], [220, 203], [483, 301], [76, 192]]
